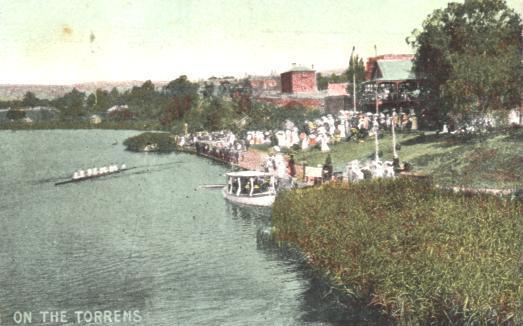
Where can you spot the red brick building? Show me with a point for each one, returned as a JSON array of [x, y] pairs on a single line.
[[298, 80], [337, 89], [262, 83], [298, 87]]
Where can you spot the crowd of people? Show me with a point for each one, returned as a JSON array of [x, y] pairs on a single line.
[[320, 133], [222, 145], [330, 129]]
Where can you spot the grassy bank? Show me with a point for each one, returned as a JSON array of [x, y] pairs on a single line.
[[419, 254], [162, 142], [494, 160]]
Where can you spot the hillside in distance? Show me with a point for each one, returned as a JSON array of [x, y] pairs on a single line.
[[17, 91]]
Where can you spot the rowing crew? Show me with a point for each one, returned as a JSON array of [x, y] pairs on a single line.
[[80, 174]]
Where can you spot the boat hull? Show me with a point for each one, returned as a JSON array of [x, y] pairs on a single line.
[[260, 200], [89, 177]]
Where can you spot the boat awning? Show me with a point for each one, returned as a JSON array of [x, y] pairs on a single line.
[[247, 174]]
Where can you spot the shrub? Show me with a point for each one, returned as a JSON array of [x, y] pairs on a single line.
[[420, 254], [164, 140]]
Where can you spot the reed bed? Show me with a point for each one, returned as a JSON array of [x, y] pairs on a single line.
[[419, 254]]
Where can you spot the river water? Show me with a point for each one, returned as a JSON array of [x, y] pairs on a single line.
[[148, 241]]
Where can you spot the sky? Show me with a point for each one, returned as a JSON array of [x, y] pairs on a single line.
[[73, 41]]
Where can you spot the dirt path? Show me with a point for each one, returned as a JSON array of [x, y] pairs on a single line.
[[253, 160]]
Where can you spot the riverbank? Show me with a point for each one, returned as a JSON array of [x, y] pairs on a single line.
[[482, 161], [420, 254], [492, 160], [58, 124], [167, 142]]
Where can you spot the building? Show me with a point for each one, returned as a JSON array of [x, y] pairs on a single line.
[[371, 62], [298, 88], [397, 84], [337, 89], [298, 80], [95, 119], [261, 84]]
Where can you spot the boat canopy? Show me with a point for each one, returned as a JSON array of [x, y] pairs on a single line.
[[250, 183], [247, 174]]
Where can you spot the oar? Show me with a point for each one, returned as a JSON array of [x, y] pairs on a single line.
[[213, 186]]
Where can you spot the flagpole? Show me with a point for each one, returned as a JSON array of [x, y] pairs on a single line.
[[393, 122], [376, 143], [353, 80]]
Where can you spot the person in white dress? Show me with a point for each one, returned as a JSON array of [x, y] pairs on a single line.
[[305, 143], [324, 147]]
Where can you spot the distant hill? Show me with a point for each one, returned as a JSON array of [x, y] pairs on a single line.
[[332, 71], [14, 91]]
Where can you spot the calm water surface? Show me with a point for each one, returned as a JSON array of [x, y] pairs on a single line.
[[146, 240]]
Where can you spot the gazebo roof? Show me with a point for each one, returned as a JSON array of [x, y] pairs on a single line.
[[396, 70]]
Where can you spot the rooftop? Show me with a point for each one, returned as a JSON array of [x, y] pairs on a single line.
[[299, 68], [396, 70], [244, 174]]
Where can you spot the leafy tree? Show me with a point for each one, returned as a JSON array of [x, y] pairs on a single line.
[[323, 81], [208, 90], [103, 100], [219, 114], [144, 101], [181, 86], [15, 114], [71, 105], [183, 96], [30, 100], [241, 94], [91, 101], [469, 55], [115, 94], [356, 67]]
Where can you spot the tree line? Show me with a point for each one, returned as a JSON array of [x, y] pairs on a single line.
[[209, 106], [468, 56]]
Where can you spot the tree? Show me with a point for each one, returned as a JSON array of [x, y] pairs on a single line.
[[71, 105], [323, 81], [30, 100], [469, 56], [91, 101], [144, 101], [183, 96], [357, 66], [182, 86], [15, 114]]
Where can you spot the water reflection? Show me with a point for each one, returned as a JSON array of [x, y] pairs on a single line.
[[320, 301]]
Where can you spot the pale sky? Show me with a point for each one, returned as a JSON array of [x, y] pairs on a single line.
[[69, 41]]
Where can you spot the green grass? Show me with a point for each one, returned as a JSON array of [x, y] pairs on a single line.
[[419, 254], [493, 161]]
